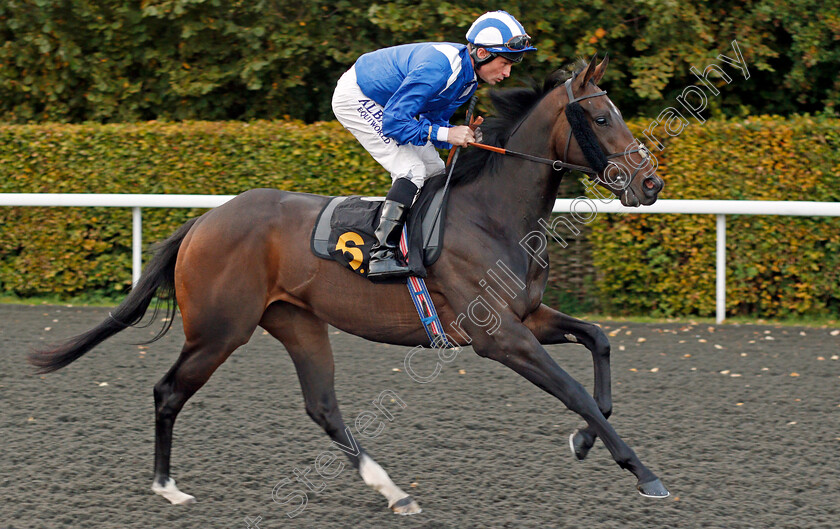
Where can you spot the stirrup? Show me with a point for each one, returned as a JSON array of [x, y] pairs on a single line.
[[387, 268]]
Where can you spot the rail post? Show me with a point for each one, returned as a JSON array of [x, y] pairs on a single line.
[[136, 245], [720, 276]]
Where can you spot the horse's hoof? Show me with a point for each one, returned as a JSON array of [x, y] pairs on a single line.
[[406, 506], [171, 493], [653, 489], [580, 445]]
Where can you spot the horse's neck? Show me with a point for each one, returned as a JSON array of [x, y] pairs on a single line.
[[517, 193]]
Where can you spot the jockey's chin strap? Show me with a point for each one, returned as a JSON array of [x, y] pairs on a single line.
[[583, 134]]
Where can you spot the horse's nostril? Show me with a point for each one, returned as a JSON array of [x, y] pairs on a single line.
[[652, 186]]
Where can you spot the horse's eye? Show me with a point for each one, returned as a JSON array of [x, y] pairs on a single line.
[[602, 121]]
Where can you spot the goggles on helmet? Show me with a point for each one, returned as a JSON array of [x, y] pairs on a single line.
[[519, 42]]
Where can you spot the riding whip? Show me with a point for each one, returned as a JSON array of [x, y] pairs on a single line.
[[453, 157]]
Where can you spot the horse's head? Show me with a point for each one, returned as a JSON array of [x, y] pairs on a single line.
[[594, 134]]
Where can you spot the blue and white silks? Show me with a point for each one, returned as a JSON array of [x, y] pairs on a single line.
[[419, 85]]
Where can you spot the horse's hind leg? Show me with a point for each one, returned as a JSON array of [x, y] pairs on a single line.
[[552, 327], [305, 338], [208, 345]]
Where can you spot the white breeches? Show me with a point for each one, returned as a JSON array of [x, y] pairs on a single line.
[[362, 116]]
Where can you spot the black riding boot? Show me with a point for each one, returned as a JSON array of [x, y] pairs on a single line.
[[383, 253]]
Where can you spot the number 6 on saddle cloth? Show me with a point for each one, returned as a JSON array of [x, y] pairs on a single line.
[[344, 232]]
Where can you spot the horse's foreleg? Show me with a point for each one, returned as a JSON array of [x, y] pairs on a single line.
[[552, 327], [516, 347], [306, 339]]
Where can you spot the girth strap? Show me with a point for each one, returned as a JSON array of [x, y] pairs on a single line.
[[424, 304]]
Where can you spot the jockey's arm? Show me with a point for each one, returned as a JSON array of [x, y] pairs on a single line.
[[399, 121]]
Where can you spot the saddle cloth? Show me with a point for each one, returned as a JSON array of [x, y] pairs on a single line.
[[344, 231]]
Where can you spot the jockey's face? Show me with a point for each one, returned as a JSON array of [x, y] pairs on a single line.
[[494, 71]]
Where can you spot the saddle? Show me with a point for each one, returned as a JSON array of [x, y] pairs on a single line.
[[344, 231]]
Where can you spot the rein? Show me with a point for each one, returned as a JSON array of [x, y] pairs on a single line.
[[558, 165], [577, 132]]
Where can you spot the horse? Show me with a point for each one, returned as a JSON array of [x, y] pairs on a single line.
[[247, 263]]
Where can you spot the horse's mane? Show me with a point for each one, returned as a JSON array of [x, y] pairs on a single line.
[[511, 106]]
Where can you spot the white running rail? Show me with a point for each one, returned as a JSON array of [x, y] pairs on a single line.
[[719, 208]]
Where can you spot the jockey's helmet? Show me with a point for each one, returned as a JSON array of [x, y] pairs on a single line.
[[500, 34]]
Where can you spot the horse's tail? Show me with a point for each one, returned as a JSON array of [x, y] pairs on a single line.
[[157, 278]]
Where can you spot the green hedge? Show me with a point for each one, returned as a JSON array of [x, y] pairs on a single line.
[[644, 264], [40, 247], [776, 266]]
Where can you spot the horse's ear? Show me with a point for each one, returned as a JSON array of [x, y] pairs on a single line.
[[585, 76], [599, 71]]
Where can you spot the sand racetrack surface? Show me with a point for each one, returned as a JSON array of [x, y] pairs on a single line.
[[741, 422]]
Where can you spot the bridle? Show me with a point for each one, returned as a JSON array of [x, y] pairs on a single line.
[[575, 100], [562, 165]]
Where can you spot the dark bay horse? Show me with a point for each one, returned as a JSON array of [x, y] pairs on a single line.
[[248, 263]]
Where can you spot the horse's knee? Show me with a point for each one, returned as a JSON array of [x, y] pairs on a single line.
[[600, 343], [578, 399], [502, 347]]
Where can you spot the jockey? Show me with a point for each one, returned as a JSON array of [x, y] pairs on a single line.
[[397, 102]]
